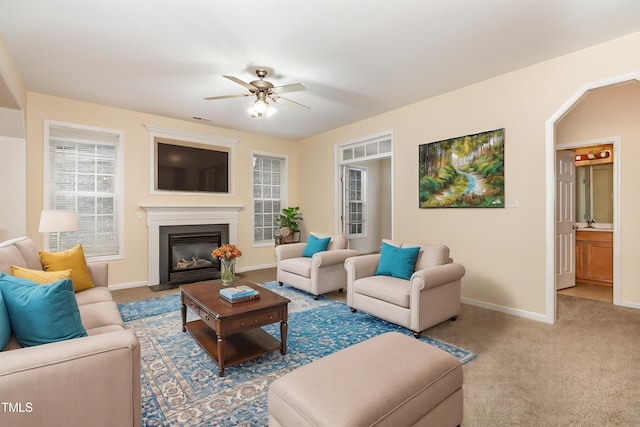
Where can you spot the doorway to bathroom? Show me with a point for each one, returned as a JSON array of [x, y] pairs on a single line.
[[597, 110], [587, 177]]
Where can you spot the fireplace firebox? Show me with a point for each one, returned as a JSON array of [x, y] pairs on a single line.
[[190, 256], [185, 253]]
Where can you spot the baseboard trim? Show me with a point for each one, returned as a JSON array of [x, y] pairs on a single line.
[[257, 267], [127, 285], [508, 310], [630, 304]]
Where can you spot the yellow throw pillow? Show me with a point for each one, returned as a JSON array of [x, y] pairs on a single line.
[[39, 276], [71, 258]]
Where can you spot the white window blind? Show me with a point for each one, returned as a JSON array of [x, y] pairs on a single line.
[[268, 184], [83, 177]]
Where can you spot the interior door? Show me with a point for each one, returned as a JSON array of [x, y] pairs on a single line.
[[565, 219], [343, 200], [354, 208]]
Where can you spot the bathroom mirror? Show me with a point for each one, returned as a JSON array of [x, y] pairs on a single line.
[[594, 193]]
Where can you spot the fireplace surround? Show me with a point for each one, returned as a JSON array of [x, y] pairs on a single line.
[[167, 216]]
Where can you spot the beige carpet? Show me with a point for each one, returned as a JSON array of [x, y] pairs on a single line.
[[582, 371]]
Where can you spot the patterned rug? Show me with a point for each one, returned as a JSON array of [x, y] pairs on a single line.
[[180, 383]]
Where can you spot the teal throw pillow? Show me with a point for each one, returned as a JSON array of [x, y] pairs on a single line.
[[40, 314], [315, 244], [5, 326], [397, 262]]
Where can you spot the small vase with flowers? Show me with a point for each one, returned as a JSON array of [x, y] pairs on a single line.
[[227, 254]]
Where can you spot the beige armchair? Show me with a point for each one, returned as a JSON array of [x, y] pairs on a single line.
[[321, 273], [430, 296]]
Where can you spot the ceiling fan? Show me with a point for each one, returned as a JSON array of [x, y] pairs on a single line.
[[263, 89]]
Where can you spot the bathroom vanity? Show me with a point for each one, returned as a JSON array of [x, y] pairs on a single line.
[[594, 257]]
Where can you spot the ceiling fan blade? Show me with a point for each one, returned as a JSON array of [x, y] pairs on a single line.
[[211, 98], [251, 87], [290, 103], [295, 87]]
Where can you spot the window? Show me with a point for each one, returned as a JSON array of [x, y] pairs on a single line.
[[269, 180], [82, 169], [355, 190], [374, 148]]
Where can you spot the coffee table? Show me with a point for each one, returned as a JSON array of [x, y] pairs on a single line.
[[232, 333]]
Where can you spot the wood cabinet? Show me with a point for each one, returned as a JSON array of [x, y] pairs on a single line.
[[594, 257]]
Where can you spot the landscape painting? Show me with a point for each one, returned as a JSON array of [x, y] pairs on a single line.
[[463, 172]]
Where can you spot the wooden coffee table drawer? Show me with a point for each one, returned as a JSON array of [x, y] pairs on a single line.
[[254, 319], [187, 301]]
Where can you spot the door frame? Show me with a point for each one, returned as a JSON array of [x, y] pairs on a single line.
[[550, 175], [339, 163], [616, 141]]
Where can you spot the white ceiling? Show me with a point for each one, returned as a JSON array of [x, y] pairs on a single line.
[[357, 58]]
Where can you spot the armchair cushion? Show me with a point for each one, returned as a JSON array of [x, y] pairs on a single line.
[[71, 258], [315, 244], [384, 288], [41, 314], [299, 266], [397, 262], [430, 255]]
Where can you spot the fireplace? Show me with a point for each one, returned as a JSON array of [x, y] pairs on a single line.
[[185, 252], [161, 221], [189, 257]]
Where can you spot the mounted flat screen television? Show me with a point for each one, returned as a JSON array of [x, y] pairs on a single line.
[[191, 169]]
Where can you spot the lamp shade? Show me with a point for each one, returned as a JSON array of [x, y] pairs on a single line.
[[56, 221]]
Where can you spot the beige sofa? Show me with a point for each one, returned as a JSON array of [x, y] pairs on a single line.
[[319, 274], [88, 381], [430, 296]]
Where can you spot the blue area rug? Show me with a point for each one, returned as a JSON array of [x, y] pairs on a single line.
[[180, 383]]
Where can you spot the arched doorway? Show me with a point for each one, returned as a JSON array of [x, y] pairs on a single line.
[[550, 151]]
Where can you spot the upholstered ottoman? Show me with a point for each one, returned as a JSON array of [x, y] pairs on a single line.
[[390, 380]]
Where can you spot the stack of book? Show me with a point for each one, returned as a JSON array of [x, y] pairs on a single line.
[[239, 294]]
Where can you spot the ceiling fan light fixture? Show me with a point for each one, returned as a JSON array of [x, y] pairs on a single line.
[[263, 89], [261, 108]]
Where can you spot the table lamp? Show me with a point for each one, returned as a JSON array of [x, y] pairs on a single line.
[[55, 221]]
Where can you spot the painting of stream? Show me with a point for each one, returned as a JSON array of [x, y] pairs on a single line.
[[463, 172]]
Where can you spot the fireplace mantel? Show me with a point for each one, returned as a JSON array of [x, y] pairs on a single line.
[[159, 216]]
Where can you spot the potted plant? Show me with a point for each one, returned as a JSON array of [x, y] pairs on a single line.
[[289, 224]]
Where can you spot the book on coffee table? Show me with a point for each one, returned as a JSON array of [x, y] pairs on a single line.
[[239, 293], [240, 299]]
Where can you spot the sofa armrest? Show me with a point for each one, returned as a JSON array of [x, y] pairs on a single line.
[[327, 258], [291, 250], [437, 276], [68, 382], [361, 266], [99, 272]]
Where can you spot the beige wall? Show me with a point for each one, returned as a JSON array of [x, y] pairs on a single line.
[[12, 92], [133, 268], [606, 112], [503, 250]]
